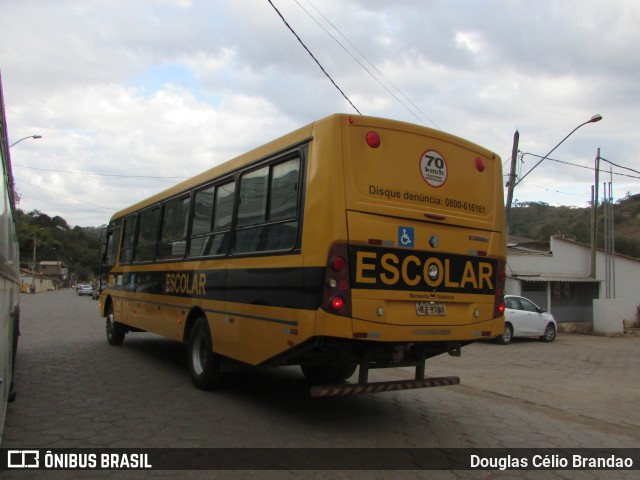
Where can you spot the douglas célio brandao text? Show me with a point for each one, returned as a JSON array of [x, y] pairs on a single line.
[[550, 461]]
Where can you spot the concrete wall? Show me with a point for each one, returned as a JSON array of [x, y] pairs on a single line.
[[609, 316]]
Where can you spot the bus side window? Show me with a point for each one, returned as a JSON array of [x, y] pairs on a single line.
[[211, 230], [112, 245], [126, 251], [267, 214], [145, 249], [173, 240]]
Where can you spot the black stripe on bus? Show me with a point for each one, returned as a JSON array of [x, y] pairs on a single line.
[[298, 288]]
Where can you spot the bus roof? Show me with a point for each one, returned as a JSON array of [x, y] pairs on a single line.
[[297, 136]]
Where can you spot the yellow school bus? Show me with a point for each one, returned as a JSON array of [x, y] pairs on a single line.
[[350, 244]]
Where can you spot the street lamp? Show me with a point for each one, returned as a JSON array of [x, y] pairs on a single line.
[[35, 137], [594, 119], [512, 175]]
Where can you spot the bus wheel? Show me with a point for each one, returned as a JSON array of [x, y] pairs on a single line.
[[204, 365], [115, 331], [325, 374]]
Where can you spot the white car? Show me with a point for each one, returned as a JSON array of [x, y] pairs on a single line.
[[523, 318], [85, 290]]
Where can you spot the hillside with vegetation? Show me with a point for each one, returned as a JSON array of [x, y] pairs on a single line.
[[539, 221], [55, 240]]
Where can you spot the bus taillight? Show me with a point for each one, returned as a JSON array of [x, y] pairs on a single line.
[[336, 296], [501, 278], [337, 303], [338, 263]]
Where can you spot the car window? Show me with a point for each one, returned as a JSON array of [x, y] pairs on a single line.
[[511, 303], [528, 305]]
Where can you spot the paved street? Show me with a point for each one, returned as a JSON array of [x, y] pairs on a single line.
[[74, 390]]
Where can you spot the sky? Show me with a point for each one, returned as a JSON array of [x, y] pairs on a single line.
[[131, 97]]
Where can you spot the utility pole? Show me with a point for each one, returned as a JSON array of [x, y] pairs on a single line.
[[512, 176], [594, 217]]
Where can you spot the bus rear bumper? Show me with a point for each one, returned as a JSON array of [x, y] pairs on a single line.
[[376, 387]]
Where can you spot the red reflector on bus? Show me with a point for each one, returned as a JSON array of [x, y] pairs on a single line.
[[480, 164], [373, 139], [501, 308], [359, 334], [338, 263]]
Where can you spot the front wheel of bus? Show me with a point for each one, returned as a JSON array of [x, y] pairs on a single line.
[[325, 374], [204, 365], [115, 332]]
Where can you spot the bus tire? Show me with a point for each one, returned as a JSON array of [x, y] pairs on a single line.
[[115, 331], [326, 374], [204, 365]]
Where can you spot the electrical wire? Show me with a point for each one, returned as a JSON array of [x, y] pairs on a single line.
[[68, 198], [620, 166], [589, 168], [95, 174], [421, 120], [314, 58]]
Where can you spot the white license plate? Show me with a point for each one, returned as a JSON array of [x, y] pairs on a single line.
[[430, 308]]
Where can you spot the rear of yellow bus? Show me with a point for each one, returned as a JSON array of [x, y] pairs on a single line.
[[422, 269]]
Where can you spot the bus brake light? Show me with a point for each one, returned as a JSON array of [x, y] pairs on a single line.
[[336, 297], [337, 303]]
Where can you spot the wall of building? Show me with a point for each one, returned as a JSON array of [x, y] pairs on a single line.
[[570, 263]]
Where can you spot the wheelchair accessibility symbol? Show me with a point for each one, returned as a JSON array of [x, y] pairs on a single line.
[[405, 237]]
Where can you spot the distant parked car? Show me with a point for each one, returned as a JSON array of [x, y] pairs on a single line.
[[523, 318], [85, 290]]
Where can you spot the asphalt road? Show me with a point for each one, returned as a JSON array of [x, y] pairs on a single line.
[[76, 391]]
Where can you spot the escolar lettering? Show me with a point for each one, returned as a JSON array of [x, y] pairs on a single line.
[[399, 270], [186, 283]]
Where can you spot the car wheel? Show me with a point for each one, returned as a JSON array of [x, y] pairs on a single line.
[[507, 334], [204, 365], [115, 331], [549, 333]]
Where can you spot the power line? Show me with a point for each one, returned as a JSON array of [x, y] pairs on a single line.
[[589, 168], [314, 58], [421, 120], [95, 174], [558, 191], [620, 166], [68, 198]]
